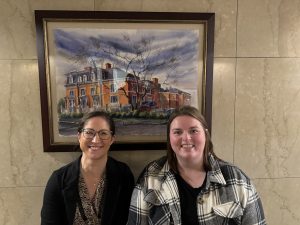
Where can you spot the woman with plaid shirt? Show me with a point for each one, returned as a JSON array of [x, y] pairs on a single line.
[[191, 185]]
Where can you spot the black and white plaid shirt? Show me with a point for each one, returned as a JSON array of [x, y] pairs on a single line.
[[228, 197]]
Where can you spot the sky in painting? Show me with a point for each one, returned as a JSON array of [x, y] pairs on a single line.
[[170, 55]]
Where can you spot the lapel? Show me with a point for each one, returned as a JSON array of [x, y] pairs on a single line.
[[170, 193], [163, 190], [112, 192], [70, 188], [215, 175]]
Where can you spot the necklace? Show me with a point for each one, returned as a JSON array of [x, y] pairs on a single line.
[[97, 182]]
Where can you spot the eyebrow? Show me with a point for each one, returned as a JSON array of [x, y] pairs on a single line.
[[95, 130], [189, 128]]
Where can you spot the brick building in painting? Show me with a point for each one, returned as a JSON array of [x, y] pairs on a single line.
[[112, 89]]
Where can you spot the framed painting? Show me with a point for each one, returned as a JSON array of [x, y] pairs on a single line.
[[137, 66]]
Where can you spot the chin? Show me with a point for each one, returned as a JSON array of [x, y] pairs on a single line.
[[97, 157]]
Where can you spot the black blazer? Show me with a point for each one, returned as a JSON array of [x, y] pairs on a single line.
[[61, 194]]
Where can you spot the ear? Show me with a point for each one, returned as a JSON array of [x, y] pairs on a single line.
[[78, 136], [113, 138]]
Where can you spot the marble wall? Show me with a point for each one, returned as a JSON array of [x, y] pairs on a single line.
[[256, 102]]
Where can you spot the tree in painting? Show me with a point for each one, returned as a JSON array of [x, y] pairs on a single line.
[[170, 56]]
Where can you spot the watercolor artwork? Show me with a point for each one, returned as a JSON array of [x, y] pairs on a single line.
[[139, 72]]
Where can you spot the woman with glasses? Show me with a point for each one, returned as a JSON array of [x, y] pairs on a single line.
[[191, 185], [94, 189]]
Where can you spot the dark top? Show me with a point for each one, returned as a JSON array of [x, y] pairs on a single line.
[[188, 201], [61, 194]]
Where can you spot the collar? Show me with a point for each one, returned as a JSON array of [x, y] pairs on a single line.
[[160, 178], [215, 174]]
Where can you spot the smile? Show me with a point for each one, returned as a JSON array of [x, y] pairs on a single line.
[[94, 147], [187, 146]]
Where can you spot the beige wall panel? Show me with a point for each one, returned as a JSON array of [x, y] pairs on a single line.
[[269, 28], [28, 163], [223, 107], [17, 26], [20, 205], [6, 170], [280, 200], [118, 5], [267, 117]]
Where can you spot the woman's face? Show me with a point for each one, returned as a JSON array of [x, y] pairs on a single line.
[[95, 147], [187, 139]]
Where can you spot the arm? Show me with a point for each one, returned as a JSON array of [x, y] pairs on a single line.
[[253, 213], [138, 210], [125, 194], [52, 212]]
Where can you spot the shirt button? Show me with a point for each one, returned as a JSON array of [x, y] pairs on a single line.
[[200, 201]]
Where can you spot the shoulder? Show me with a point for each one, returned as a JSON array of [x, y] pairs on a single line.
[[155, 169], [119, 174], [68, 168], [65, 175], [116, 166], [116, 163], [232, 172]]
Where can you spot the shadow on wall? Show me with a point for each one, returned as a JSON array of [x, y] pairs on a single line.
[[137, 160]]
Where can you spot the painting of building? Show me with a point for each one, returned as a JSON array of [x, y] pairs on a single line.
[[112, 89]]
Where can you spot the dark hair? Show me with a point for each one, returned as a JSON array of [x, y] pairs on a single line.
[[208, 148], [101, 114]]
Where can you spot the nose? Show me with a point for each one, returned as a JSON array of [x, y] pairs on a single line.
[[186, 135], [96, 138]]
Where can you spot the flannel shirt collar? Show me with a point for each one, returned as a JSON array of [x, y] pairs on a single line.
[[215, 174], [165, 178]]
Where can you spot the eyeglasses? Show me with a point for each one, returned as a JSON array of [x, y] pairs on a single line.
[[90, 134]]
